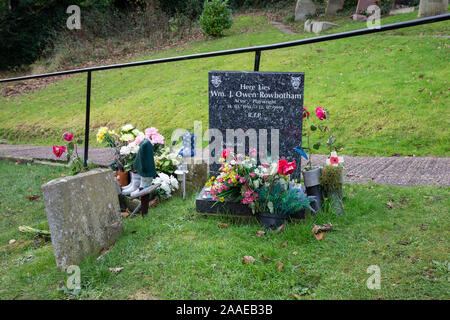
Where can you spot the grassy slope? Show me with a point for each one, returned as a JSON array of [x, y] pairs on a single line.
[[373, 86], [175, 253]]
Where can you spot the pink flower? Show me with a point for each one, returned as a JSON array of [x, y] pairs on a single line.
[[214, 197], [265, 164], [67, 136], [320, 113], [241, 180], [59, 150], [305, 113], [265, 176], [139, 139], [253, 152], [237, 176], [252, 174], [220, 179], [150, 131], [285, 167], [226, 153], [157, 139], [230, 181]]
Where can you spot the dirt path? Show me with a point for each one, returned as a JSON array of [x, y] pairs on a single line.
[[399, 171]]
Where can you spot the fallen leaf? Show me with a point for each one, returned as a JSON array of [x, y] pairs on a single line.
[[117, 270], [295, 253], [280, 228], [260, 233], [223, 225], [125, 213], [280, 266], [12, 241], [362, 280], [319, 236], [264, 257], [284, 244], [63, 175], [32, 198], [248, 259]]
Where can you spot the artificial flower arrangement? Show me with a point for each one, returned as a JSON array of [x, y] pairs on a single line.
[[73, 160], [168, 184], [265, 187], [315, 183], [126, 144]]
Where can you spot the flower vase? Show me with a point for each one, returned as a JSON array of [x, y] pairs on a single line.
[[122, 178], [312, 184]]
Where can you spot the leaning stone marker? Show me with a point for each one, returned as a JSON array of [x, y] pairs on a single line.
[[432, 7], [333, 6], [304, 8], [83, 215]]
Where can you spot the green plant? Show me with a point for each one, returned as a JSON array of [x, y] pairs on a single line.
[[216, 17], [279, 199], [331, 178]]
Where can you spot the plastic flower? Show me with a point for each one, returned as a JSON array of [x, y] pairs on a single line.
[[127, 128], [285, 167], [305, 113], [59, 150], [226, 153], [67, 136], [334, 160], [320, 113], [151, 131]]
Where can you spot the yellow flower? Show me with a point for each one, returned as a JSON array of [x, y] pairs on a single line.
[[208, 184], [101, 134], [221, 199]]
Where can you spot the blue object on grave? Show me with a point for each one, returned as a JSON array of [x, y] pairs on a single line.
[[302, 152], [188, 147]]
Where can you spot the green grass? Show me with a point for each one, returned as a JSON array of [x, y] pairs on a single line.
[[176, 253], [387, 92]]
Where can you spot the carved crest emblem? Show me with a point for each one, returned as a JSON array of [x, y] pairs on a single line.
[[295, 81], [216, 81]]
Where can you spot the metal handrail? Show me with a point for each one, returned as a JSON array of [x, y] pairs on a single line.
[[256, 49]]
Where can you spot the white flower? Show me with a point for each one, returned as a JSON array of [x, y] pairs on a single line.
[[137, 133], [134, 148], [125, 151], [127, 127], [127, 137]]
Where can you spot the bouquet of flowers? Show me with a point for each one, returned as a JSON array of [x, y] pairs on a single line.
[[168, 185], [240, 178], [167, 161]]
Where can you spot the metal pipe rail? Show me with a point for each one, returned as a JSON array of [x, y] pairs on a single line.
[[256, 49]]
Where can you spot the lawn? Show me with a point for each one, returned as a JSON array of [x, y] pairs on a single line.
[[176, 253], [387, 92]]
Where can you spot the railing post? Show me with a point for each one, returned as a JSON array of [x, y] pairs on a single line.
[[88, 114], [257, 59]]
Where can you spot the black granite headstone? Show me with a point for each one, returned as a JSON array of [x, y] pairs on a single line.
[[266, 106]]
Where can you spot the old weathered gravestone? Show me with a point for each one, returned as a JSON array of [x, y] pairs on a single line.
[[333, 6], [83, 215], [318, 26], [304, 8], [256, 110], [432, 7]]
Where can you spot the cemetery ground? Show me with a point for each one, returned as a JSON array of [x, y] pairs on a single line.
[[387, 92], [176, 253]]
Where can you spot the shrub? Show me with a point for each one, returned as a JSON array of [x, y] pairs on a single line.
[[216, 17], [331, 179]]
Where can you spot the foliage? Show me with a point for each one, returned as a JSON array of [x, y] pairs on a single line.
[[73, 159], [216, 17], [331, 178], [166, 161], [280, 199]]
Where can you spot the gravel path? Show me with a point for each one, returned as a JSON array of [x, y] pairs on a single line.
[[399, 171]]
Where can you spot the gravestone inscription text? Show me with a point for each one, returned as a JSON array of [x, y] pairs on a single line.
[[256, 110]]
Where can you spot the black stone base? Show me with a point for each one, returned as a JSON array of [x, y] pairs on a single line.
[[228, 207]]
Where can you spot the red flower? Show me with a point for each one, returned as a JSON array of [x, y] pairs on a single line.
[[67, 136], [285, 167], [59, 150], [305, 113], [320, 113], [334, 160], [226, 153]]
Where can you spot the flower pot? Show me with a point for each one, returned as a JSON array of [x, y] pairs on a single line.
[[122, 178], [312, 184], [271, 220], [311, 177]]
